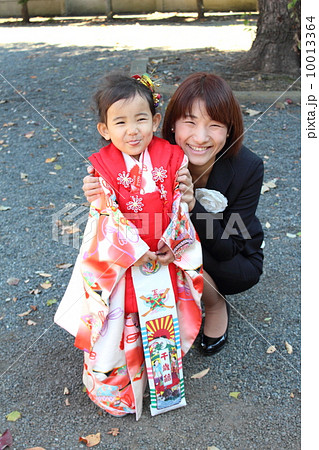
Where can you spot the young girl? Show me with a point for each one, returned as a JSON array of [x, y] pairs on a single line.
[[134, 295]]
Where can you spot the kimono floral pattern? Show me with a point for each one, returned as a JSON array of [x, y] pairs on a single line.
[[136, 204], [125, 179], [159, 174]]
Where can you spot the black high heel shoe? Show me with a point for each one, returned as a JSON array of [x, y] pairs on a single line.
[[210, 345]]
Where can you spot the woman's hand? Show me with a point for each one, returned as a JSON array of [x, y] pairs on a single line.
[[165, 255], [146, 258], [91, 186], [186, 187]]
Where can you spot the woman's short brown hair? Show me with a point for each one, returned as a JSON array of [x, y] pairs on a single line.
[[221, 105]]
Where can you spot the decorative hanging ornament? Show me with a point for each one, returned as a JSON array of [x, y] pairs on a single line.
[[146, 80], [163, 192]]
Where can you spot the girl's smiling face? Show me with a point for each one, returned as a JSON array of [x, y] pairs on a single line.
[[130, 125], [200, 137]]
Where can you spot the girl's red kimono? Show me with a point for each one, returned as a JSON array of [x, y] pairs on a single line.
[[141, 210]]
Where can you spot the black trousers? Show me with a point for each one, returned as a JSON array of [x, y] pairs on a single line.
[[235, 275]]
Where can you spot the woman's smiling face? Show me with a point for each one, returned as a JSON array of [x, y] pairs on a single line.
[[200, 137]]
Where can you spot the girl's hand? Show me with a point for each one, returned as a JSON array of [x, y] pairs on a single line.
[[147, 257], [186, 187], [165, 255], [91, 186]]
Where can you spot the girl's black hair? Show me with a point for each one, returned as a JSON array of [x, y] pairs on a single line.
[[116, 87]]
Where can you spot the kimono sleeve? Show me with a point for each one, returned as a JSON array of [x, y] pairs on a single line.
[[180, 233], [111, 244]]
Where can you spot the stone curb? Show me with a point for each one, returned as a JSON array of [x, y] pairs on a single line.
[[250, 96], [139, 66]]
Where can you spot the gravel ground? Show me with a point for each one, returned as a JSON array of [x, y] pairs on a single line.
[[170, 69], [44, 114]]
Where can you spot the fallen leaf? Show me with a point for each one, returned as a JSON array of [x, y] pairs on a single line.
[[30, 322], [50, 206], [35, 291], [271, 349], [268, 185], [13, 281], [251, 112], [46, 285], [6, 439], [272, 183], [114, 431], [201, 374], [33, 307], [91, 439], [25, 313], [280, 105], [4, 208], [35, 448], [50, 160], [13, 416], [51, 301], [57, 167], [288, 348], [29, 135], [64, 265], [70, 229], [234, 394]]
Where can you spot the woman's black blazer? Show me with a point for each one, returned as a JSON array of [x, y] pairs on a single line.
[[236, 229]]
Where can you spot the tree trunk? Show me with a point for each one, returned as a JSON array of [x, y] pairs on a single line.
[[108, 9], [200, 9], [274, 49], [25, 13]]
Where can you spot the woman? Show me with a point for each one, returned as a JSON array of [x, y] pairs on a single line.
[[204, 119]]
